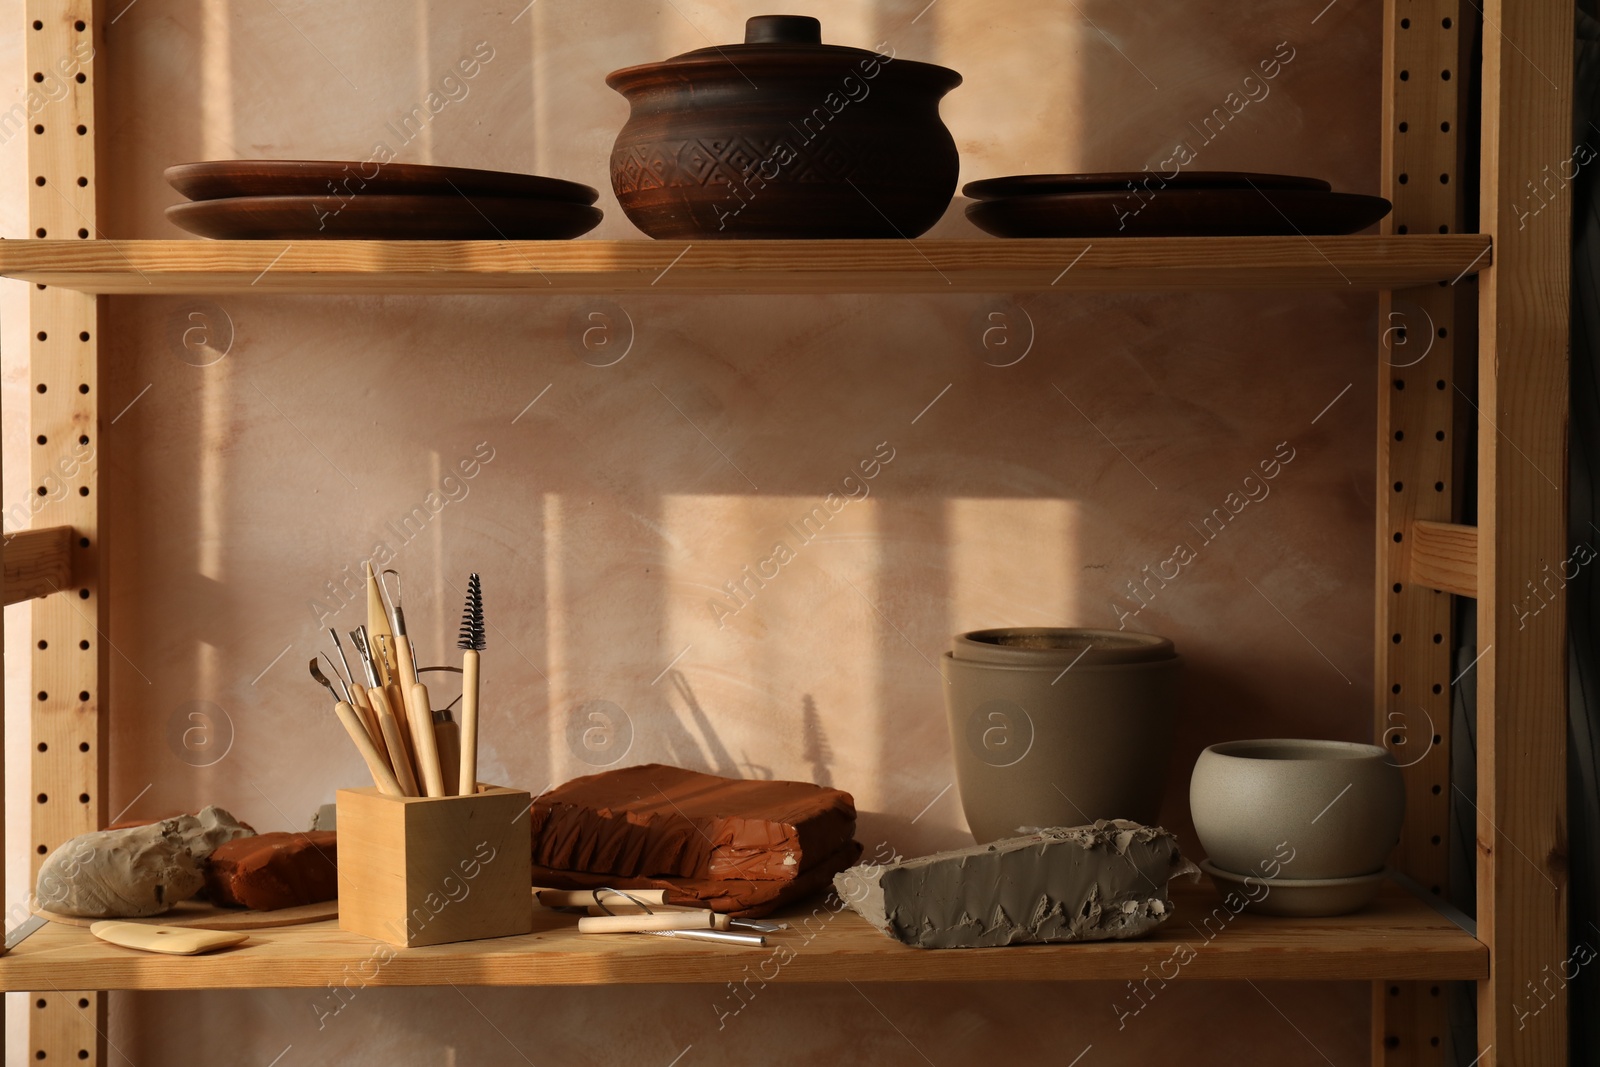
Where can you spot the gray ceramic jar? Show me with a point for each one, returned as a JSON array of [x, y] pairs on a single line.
[[1059, 727]]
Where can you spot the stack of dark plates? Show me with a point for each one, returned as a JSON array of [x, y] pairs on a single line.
[[1148, 204], [291, 199]]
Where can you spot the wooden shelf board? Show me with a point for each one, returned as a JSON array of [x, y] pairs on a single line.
[[1367, 262], [1398, 938]]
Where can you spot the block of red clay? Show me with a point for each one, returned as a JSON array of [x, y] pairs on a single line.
[[656, 821], [272, 871], [742, 898]]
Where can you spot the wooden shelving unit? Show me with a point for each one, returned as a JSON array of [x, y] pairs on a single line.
[[963, 266], [1399, 938], [1420, 262]]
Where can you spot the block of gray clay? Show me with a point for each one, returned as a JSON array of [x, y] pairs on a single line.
[[137, 871], [325, 817], [1082, 883]]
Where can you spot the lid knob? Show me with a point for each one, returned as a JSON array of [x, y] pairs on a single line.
[[782, 29]]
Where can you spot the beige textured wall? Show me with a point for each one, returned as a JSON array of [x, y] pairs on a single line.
[[613, 509]]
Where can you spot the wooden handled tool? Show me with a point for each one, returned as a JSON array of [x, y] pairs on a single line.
[[382, 776], [369, 719], [422, 736], [447, 736], [398, 739], [471, 642], [637, 924], [378, 627]]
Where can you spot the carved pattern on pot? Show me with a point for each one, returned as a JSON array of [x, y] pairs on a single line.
[[730, 161]]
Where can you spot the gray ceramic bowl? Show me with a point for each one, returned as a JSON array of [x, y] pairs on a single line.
[[1297, 809], [1299, 897]]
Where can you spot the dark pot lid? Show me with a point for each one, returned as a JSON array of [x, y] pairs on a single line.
[[779, 45], [1059, 647]]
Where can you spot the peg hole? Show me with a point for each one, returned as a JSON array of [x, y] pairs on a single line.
[[1394, 639], [82, 233], [1397, 537], [1436, 839], [1444, 127], [1438, 435], [1443, 332], [38, 128], [83, 490], [1397, 587], [83, 335], [38, 77], [1404, 126], [1444, 229], [43, 695], [42, 439], [82, 182], [1405, 75], [1402, 228], [84, 645], [40, 232], [1399, 487], [1437, 689], [43, 747], [1395, 688], [83, 798], [1437, 790], [43, 798], [1399, 435], [1438, 487], [1399, 383], [1446, 23], [1444, 179], [83, 746], [39, 180], [1444, 75], [38, 26], [81, 130], [83, 1002], [83, 697], [83, 594], [80, 77], [83, 387], [79, 26], [44, 645], [1438, 639], [83, 542], [1405, 24], [42, 849]]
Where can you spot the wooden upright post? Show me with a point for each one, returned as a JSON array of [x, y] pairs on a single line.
[[1522, 508]]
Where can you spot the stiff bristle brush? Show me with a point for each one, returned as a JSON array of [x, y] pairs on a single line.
[[471, 642]]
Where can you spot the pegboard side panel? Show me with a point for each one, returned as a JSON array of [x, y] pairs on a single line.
[[1415, 480], [70, 654]]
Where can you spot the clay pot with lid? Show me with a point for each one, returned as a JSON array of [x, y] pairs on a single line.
[[1060, 727], [784, 137]]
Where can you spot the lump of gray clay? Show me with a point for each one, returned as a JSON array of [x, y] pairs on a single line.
[[138, 871], [1083, 883]]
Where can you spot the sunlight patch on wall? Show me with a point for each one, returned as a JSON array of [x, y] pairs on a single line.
[[1013, 563]]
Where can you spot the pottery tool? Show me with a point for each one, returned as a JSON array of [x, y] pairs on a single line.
[[721, 937], [172, 940], [378, 625], [471, 642], [427, 745], [364, 704], [382, 776], [397, 739], [322, 679], [587, 898], [639, 924], [447, 738]]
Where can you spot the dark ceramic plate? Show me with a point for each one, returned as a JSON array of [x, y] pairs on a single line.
[[221, 178], [1145, 181], [1179, 213], [390, 218]]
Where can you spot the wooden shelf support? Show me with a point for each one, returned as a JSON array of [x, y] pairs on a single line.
[[38, 563], [1443, 556]]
